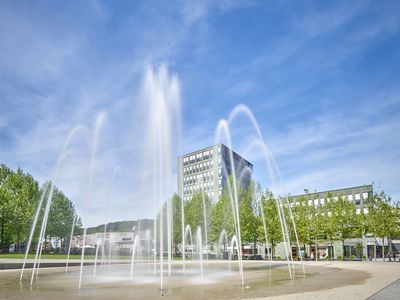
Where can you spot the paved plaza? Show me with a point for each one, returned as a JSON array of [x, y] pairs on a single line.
[[323, 280], [382, 282]]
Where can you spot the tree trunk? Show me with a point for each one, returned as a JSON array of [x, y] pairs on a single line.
[[18, 237], [308, 250], [374, 248], [2, 233], [332, 253], [273, 250], [365, 247], [343, 249], [316, 251], [383, 249]]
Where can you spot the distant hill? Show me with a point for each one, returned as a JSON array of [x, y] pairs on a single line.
[[124, 226]]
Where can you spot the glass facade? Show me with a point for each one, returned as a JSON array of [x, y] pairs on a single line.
[[208, 169], [359, 195]]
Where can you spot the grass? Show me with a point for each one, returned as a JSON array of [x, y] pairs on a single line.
[[44, 256], [60, 256], [73, 256]]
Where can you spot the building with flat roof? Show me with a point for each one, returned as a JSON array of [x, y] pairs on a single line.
[[358, 194], [208, 170]]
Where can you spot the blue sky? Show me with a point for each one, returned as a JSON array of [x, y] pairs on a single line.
[[322, 79]]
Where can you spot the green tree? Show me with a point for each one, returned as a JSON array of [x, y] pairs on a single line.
[[329, 226], [302, 212], [222, 217], [176, 211], [308, 217], [194, 213], [382, 218], [250, 223], [24, 192], [270, 207], [61, 216], [344, 218], [316, 226], [5, 206], [177, 219]]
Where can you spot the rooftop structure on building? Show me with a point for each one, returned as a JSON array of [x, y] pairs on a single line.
[[208, 169]]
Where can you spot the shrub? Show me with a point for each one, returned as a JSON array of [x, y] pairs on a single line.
[[339, 258], [364, 257], [327, 257], [352, 257]]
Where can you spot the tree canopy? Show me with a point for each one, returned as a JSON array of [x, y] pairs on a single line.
[[19, 197]]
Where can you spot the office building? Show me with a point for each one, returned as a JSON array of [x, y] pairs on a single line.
[[358, 194], [208, 170]]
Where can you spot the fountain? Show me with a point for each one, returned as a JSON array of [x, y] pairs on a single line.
[[187, 232], [161, 93], [199, 246], [47, 190], [134, 250], [222, 237], [99, 123], [96, 255], [70, 243]]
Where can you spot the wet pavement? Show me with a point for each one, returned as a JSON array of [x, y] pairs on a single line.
[[219, 281]]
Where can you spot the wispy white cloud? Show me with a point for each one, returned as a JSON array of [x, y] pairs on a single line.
[[59, 69], [242, 88], [53, 81], [332, 150]]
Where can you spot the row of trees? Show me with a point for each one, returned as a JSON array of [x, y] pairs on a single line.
[[336, 220], [19, 198], [339, 219]]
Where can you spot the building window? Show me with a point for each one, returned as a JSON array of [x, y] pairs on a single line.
[[365, 196], [350, 197], [357, 196]]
